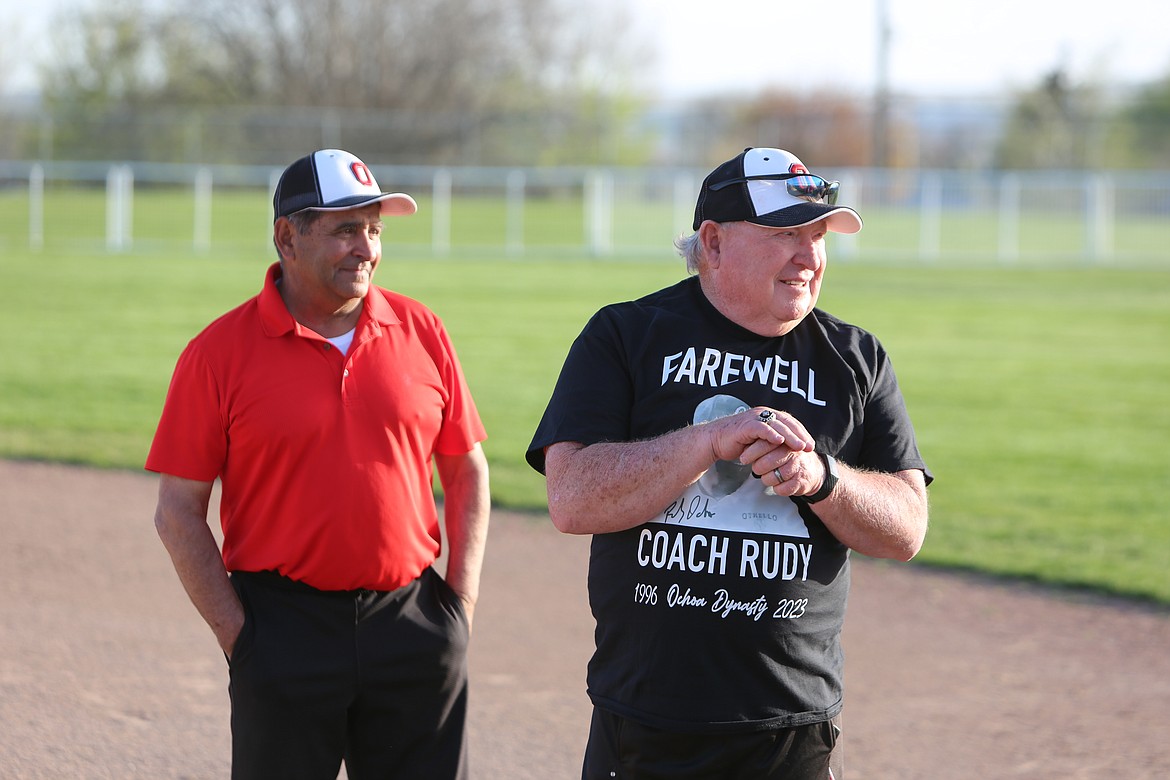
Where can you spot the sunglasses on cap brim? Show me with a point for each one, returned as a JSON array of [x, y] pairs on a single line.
[[804, 186]]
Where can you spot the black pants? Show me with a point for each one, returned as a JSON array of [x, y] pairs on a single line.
[[623, 749], [378, 679]]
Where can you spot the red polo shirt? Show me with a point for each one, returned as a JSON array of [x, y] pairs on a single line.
[[324, 458]]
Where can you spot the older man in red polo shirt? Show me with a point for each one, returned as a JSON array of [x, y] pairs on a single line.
[[321, 405]]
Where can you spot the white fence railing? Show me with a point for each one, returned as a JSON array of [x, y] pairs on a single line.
[[921, 215]]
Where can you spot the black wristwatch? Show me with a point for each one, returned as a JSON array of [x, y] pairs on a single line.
[[829, 483]]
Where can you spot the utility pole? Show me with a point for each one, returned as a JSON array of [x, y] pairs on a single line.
[[881, 96]]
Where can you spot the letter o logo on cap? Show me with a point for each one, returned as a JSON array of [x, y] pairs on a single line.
[[362, 174]]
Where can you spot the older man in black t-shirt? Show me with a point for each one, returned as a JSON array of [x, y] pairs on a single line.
[[719, 602]]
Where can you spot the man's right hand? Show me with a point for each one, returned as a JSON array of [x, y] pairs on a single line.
[[749, 435]]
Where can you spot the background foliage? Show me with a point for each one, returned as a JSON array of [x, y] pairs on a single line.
[[502, 82]]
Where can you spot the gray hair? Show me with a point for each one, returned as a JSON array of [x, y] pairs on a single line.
[[302, 222], [304, 219], [690, 248]]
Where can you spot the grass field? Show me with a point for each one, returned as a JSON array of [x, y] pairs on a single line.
[[481, 224], [1039, 394]]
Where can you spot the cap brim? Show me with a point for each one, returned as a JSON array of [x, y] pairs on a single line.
[[394, 204], [840, 219]]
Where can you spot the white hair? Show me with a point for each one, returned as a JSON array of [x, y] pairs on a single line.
[[690, 248]]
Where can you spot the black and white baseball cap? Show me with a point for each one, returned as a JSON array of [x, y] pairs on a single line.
[[333, 180], [771, 187]]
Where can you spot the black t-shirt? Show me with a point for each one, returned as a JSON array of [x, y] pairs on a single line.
[[724, 613]]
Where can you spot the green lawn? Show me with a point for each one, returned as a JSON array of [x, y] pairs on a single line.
[[1037, 385], [553, 223], [1040, 402], [1039, 396]]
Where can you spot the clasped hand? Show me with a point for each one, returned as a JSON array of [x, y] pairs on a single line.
[[777, 446]]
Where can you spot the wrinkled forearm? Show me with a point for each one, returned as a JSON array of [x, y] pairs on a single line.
[[466, 515], [876, 514], [614, 486], [181, 522]]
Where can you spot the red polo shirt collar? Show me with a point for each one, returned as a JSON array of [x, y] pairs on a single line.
[[276, 320]]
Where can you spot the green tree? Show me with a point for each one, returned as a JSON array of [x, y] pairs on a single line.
[[1055, 125], [105, 72], [822, 128], [422, 81], [9, 132], [1145, 126]]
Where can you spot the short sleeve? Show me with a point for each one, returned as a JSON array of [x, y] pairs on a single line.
[[593, 395], [191, 438]]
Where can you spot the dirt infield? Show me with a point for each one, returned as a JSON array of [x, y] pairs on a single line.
[[106, 671]]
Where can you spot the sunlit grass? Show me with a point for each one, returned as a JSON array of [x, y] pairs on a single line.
[[1038, 395]]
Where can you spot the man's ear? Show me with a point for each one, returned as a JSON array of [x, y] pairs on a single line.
[[282, 235], [711, 239]]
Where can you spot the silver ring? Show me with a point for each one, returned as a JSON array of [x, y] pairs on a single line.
[[766, 415], [776, 472]]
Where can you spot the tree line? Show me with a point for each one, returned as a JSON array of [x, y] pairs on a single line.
[[491, 82]]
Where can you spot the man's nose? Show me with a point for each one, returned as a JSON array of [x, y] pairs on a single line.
[[806, 253], [367, 245]]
